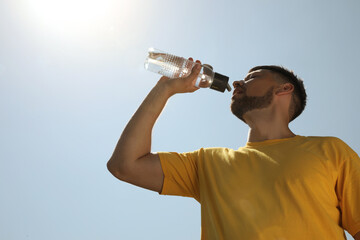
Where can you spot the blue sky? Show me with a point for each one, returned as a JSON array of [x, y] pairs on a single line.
[[72, 75]]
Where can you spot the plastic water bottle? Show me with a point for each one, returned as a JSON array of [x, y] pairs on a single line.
[[178, 67]]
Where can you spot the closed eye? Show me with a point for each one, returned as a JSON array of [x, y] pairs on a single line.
[[249, 79]]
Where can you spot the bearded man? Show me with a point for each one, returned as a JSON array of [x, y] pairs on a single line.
[[279, 186]]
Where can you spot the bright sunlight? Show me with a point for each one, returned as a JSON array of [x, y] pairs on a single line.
[[70, 17]]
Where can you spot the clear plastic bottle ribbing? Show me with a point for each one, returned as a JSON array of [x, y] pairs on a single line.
[[177, 67]]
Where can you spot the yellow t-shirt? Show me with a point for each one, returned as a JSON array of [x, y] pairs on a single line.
[[293, 188]]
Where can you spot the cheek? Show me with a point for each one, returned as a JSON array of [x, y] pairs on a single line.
[[258, 88], [255, 91]]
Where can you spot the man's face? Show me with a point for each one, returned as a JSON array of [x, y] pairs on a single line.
[[254, 92]]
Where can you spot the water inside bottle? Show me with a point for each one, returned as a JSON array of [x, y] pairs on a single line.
[[177, 67], [168, 65]]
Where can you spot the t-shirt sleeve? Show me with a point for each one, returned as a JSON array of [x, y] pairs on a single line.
[[180, 174], [348, 191]]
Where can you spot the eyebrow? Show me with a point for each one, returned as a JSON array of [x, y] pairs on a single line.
[[251, 75]]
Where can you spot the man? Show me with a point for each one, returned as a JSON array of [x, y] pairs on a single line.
[[279, 186]]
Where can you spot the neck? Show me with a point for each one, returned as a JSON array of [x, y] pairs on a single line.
[[267, 127]]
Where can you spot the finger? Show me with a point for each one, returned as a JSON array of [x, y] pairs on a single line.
[[196, 70], [197, 66], [198, 63]]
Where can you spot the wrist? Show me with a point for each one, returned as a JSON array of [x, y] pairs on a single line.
[[165, 87]]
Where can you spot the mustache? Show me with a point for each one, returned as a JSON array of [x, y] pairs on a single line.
[[241, 89]]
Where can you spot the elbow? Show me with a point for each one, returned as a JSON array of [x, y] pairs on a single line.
[[357, 236], [115, 169], [110, 166]]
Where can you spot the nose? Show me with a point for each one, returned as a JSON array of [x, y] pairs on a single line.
[[238, 83]]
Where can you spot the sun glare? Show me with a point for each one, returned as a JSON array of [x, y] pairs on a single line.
[[89, 25], [69, 16]]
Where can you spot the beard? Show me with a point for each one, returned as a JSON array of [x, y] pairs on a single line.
[[240, 106]]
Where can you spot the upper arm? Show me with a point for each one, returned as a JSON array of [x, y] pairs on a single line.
[[145, 172]]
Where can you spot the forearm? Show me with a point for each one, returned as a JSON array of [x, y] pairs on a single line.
[[135, 141]]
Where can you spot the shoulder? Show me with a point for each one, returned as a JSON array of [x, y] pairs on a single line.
[[199, 153], [329, 144], [323, 140], [213, 153], [217, 150]]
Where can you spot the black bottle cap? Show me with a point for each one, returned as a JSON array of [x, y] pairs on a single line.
[[220, 83]]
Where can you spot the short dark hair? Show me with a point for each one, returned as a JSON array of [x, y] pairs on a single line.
[[299, 94]]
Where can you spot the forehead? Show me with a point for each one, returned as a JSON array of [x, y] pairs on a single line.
[[261, 72]]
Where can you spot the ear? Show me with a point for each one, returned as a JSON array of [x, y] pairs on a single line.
[[284, 89]]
